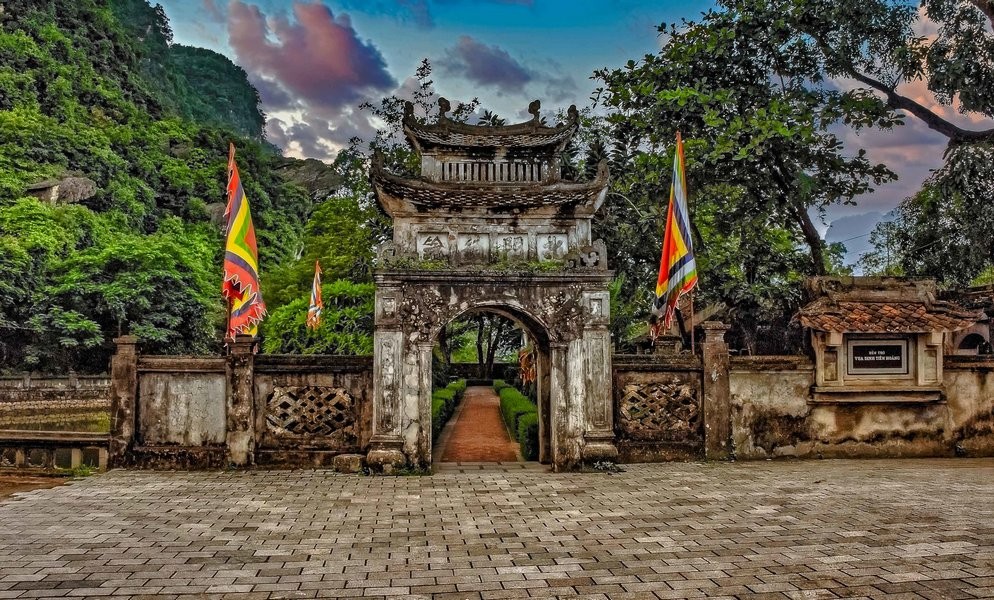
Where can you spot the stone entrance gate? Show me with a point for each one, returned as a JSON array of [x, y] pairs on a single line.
[[489, 224]]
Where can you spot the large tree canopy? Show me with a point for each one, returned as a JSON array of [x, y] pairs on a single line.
[[760, 90], [879, 54], [761, 154]]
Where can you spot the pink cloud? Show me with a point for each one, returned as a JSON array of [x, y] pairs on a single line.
[[485, 65], [315, 57]]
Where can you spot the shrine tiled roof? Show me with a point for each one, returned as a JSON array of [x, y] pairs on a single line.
[[530, 134], [427, 194], [845, 316]]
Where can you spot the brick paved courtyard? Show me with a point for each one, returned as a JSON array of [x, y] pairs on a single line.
[[820, 529]]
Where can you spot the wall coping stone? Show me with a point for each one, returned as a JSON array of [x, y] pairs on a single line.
[[771, 363], [968, 363]]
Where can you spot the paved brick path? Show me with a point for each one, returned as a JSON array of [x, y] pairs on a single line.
[[478, 433], [819, 529]]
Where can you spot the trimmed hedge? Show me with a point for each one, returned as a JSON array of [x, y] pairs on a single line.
[[443, 404], [528, 435], [521, 416], [513, 404]]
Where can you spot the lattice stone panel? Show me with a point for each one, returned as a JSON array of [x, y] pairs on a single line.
[[657, 411], [311, 411]]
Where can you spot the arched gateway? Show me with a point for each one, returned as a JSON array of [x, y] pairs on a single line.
[[489, 224]]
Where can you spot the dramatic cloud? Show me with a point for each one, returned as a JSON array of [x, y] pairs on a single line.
[[316, 57], [485, 65], [311, 70]]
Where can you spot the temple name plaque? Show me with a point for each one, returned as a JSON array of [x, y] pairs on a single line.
[[878, 357]]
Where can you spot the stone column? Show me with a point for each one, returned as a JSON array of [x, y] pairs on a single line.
[[240, 437], [716, 404], [386, 446], [599, 434], [123, 399]]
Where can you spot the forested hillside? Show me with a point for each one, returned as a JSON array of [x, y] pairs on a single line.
[[136, 132]]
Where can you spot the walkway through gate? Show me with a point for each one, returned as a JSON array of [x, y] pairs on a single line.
[[477, 433]]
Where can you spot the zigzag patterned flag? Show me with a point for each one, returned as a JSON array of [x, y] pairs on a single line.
[[241, 260], [314, 311], [677, 269]]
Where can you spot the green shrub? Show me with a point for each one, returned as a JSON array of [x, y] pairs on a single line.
[[445, 393], [528, 435], [438, 415], [513, 404], [500, 384], [443, 404]]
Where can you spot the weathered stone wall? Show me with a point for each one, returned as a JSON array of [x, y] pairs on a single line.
[[658, 412], [310, 408], [236, 410], [970, 397], [773, 415]]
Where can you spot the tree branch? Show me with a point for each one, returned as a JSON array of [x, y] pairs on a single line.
[[986, 7], [896, 101]]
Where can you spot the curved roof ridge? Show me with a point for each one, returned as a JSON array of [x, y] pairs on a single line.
[[446, 132]]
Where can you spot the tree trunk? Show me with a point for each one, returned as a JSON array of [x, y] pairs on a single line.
[[494, 340], [812, 238], [480, 360]]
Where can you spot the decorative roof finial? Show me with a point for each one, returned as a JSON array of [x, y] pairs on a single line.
[[534, 108], [572, 113], [408, 110], [443, 107]]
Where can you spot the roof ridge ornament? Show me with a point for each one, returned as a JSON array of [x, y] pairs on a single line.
[[444, 106], [534, 109]]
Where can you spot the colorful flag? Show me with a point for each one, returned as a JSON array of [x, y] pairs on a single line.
[[314, 312], [241, 260], [677, 269]]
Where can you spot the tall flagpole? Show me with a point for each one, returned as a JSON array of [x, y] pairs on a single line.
[[692, 350]]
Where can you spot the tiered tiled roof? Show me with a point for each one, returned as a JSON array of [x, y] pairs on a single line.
[[449, 133], [826, 314]]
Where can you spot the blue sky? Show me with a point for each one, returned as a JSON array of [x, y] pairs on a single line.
[[314, 62]]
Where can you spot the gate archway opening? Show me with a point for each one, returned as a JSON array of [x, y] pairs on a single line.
[[494, 337]]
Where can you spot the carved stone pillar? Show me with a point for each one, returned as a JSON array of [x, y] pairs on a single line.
[[386, 445], [240, 397], [123, 399], [599, 435], [716, 403]]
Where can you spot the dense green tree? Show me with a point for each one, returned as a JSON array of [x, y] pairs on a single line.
[[346, 323], [142, 254], [879, 46], [762, 157]]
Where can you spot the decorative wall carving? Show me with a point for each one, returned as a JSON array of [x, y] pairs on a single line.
[[592, 257], [423, 310], [551, 246], [433, 246], [311, 411], [565, 314], [660, 412]]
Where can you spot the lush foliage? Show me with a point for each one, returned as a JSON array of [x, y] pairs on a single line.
[[197, 84], [346, 323], [80, 96], [753, 87], [527, 435], [805, 48]]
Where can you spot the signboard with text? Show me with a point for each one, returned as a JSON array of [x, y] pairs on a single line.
[[878, 357]]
